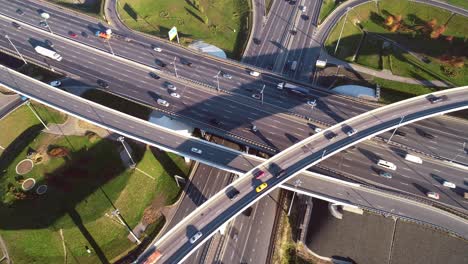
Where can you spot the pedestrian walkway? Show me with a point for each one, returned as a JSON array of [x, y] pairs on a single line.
[[383, 74]]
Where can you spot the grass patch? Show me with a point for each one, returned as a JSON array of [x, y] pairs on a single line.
[[118, 103], [268, 4], [23, 119], [327, 8], [349, 42], [83, 188], [370, 53], [92, 8], [411, 35], [392, 92], [223, 23]]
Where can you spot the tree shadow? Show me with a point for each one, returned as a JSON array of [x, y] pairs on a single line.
[[370, 155], [420, 188], [130, 11]]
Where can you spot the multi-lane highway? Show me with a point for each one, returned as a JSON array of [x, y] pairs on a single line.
[[219, 209]]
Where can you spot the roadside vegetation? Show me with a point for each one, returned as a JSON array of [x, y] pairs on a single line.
[[460, 3], [92, 7], [223, 23], [86, 180], [327, 8], [406, 38]]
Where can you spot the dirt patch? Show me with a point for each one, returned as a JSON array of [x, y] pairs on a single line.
[[24, 166], [153, 212], [28, 184]]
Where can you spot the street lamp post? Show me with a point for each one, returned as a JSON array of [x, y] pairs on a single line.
[[46, 16], [217, 80], [296, 183], [116, 213], [323, 154], [21, 56], [110, 47], [37, 116], [401, 120], [341, 32], [121, 139], [109, 33], [261, 92], [175, 68]]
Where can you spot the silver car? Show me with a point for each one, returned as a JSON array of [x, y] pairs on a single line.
[[196, 237]]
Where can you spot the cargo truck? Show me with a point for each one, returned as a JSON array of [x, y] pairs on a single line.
[[48, 53], [292, 88], [101, 34]]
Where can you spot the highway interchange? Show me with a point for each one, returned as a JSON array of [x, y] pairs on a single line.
[[199, 102]]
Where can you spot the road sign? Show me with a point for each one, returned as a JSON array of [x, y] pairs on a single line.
[[173, 33]]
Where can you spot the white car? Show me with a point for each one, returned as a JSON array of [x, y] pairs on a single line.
[[433, 195], [386, 164], [254, 73], [195, 150], [195, 237], [449, 184], [157, 49], [351, 132], [162, 102], [176, 95], [317, 130], [312, 102], [304, 9], [55, 83]]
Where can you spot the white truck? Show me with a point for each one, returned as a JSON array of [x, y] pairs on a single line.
[[292, 88], [48, 53]]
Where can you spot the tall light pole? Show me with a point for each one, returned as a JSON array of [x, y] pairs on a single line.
[[122, 139], [341, 32], [46, 16], [175, 68], [116, 213], [296, 183], [323, 154], [109, 33], [21, 56], [261, 92], [462, 150], [401, 120], [28, 103], [217, 80]]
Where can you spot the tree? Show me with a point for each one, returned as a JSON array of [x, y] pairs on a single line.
[[398, 18], [58, 152], [389, 20], [437, 32], [395, 27], [431, 23]]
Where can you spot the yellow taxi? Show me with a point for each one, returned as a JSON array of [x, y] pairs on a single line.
[[261, 187]]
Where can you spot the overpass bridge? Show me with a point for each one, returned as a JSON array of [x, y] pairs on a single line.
[[168, 140], [219, 209]]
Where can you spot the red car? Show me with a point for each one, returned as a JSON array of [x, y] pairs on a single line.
[[72, 34], [259, 174]]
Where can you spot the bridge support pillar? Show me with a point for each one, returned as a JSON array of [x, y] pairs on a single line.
[[335, 210], [247, 149]]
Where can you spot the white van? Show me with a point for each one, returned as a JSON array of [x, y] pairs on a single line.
[[449, 184], [293, 65], [386, 164], [413, 158]]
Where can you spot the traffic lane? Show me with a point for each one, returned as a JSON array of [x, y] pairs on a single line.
[[142, 129], [369, 198], [207, 222], [409, 177], [257, 244]]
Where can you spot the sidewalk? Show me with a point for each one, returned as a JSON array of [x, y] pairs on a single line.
[[384, 74]]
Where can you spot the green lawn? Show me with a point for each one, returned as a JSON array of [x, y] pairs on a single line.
[[224, 23], [392, 92], [460, 3], [370, 53], [89, 7], [349, 42], [327, 7], [82, 189], [268, 4], [23, 119], [414, 16]]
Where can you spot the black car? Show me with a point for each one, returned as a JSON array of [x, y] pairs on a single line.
[[19, 11], [49, 43], [186, 62], [160, 63], [103, 84], [154, 75], [427, 135], [16, 25], [84, 34], [436, 99], [280, 173], [215, 121], [293, 32], [400, 133], [232, 194], [43, 24]]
